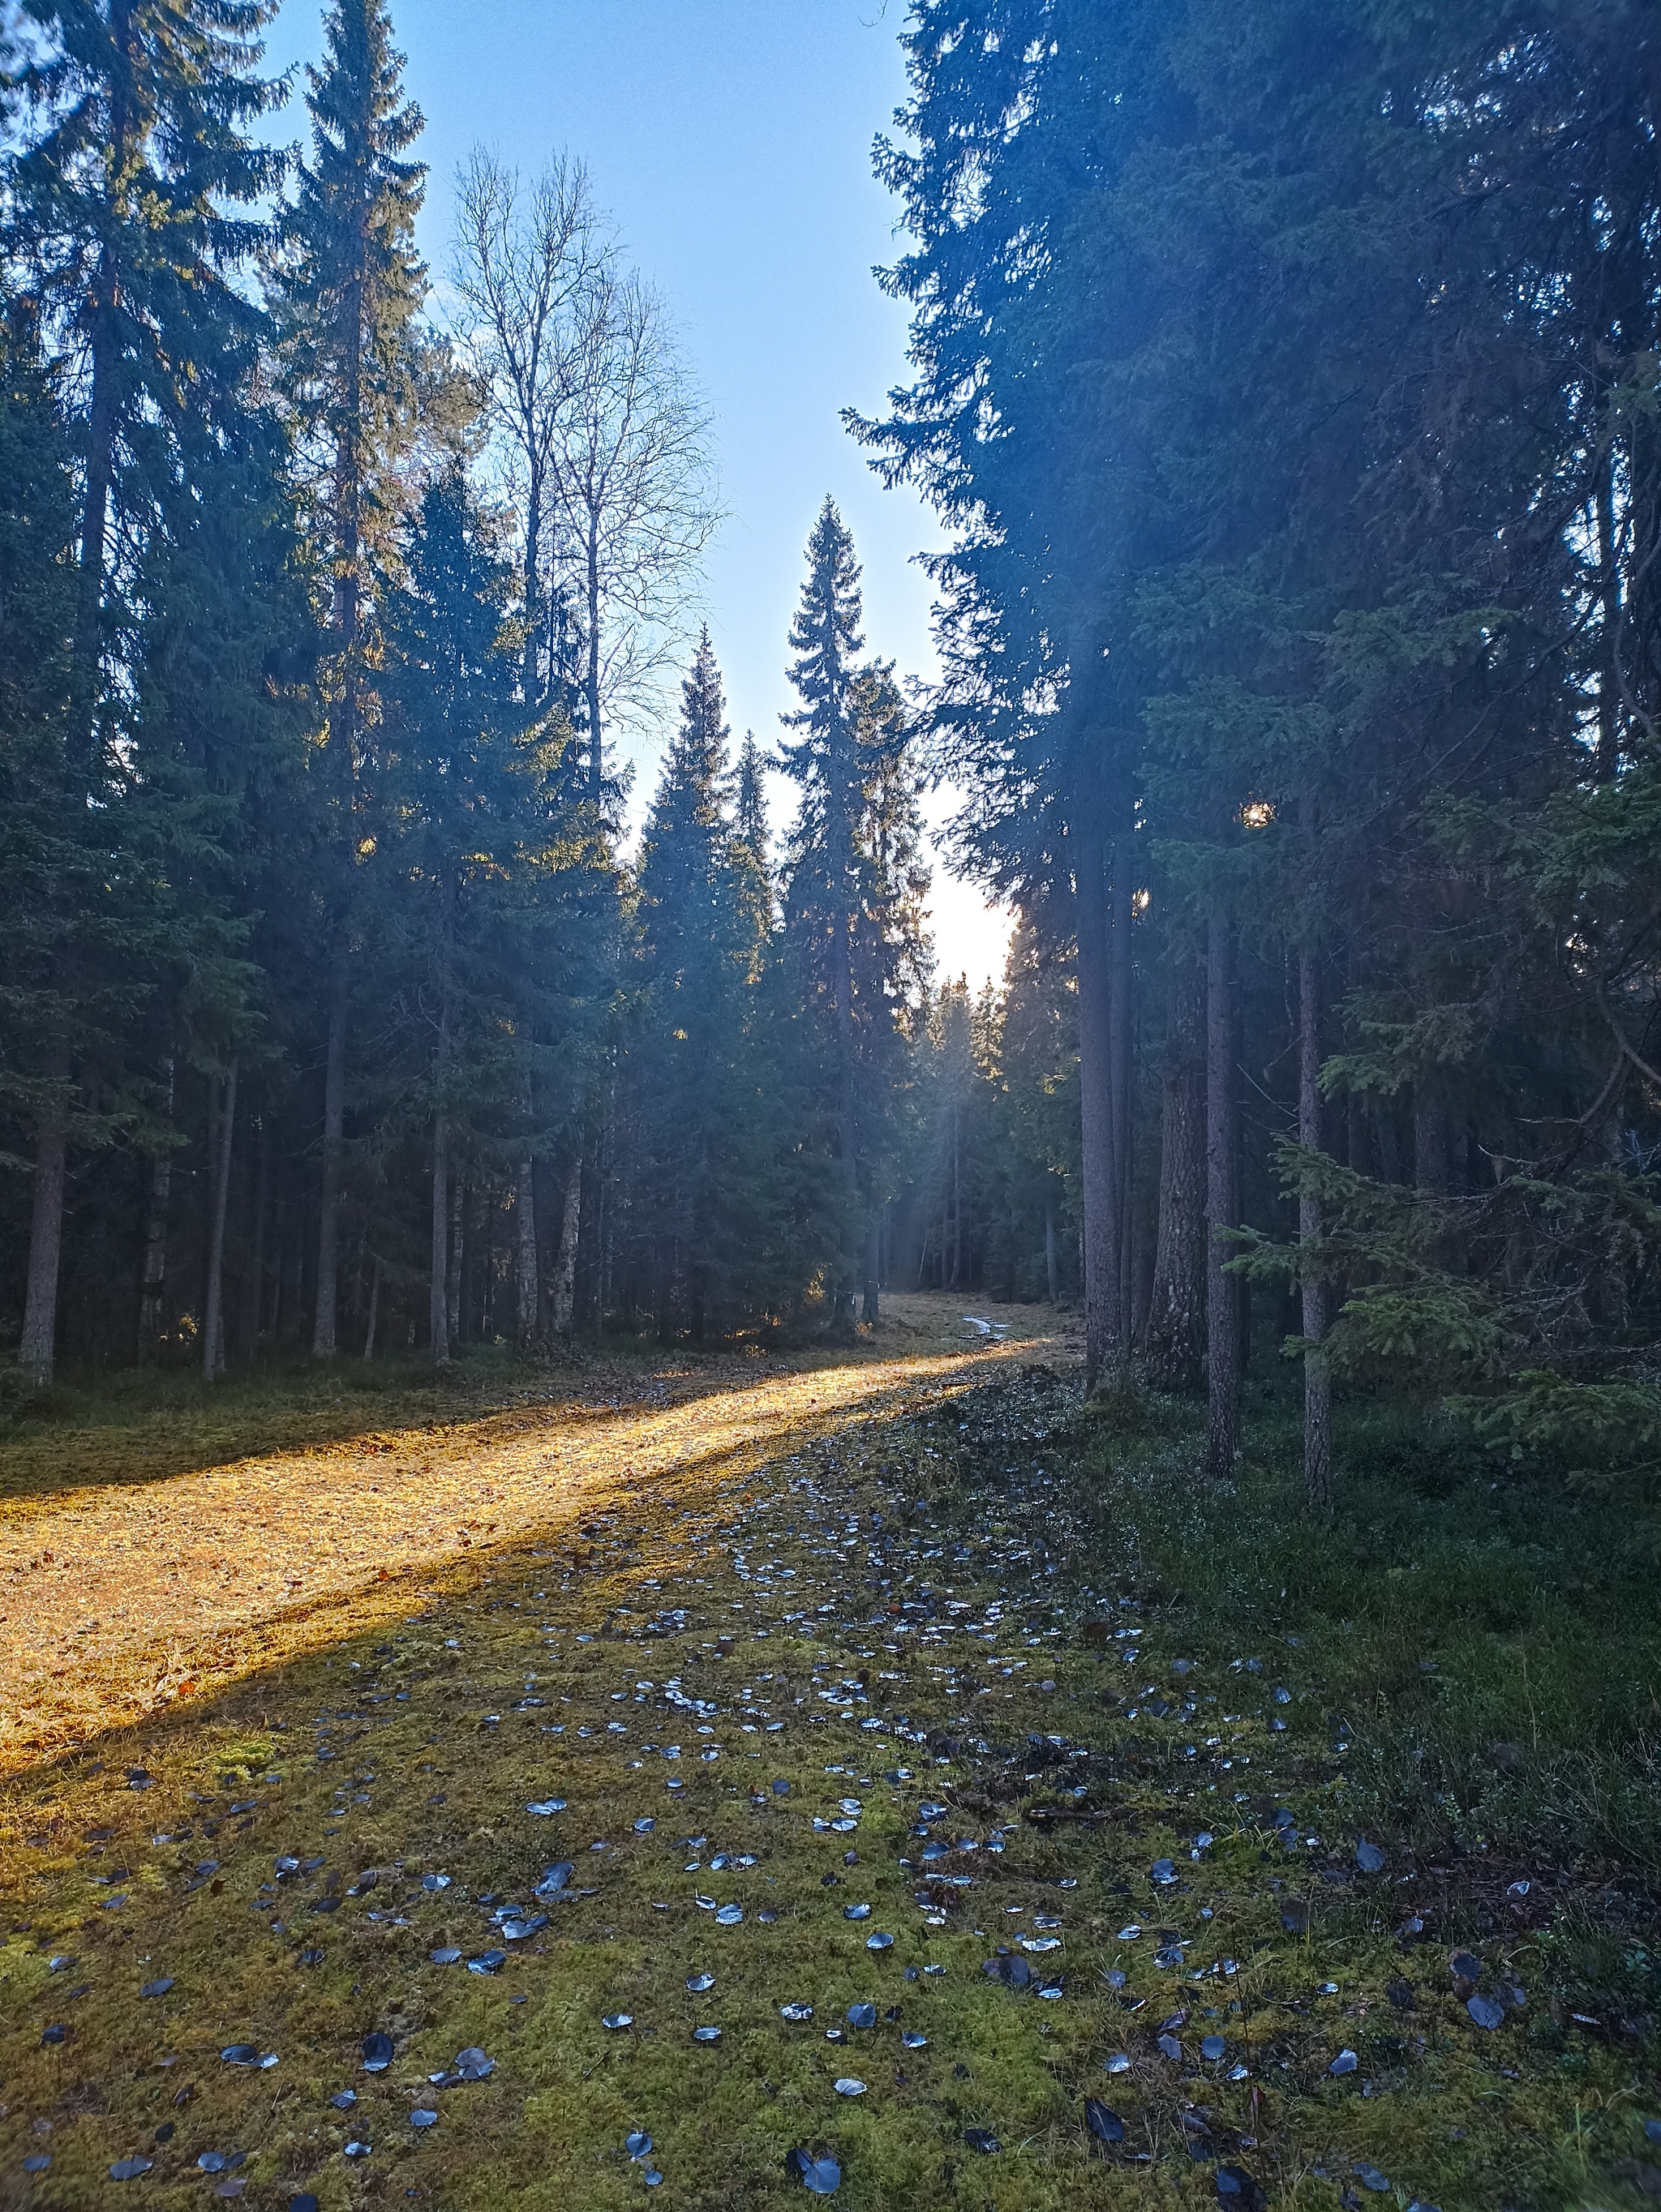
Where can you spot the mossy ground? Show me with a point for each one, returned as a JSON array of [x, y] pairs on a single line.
[[960, 1569]]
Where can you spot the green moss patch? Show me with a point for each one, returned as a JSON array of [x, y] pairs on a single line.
[[957, 1669]]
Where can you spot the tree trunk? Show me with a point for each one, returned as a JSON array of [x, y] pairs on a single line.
[[1175, 1346], [39, 1338], [334, 1127], [102, 410], [590, 686], [1121, 975], [374, 1309], [254, 1294], [1432, 1168], [1317, 1380], [871, 1301], [1104, 1330], [455, 1312], [1051, 1278], [213, 1327], [525, 1207], [563, 1301], [152, 1301], [956, 1204], [438, 1284], [1222, 1289]]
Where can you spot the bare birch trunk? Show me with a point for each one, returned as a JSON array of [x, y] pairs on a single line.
[[1222, 1205], [1317, 1380], [213, 1325], [1175, 1346], [334, 1127]]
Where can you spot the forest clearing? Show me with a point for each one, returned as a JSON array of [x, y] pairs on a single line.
[[885, 1761]]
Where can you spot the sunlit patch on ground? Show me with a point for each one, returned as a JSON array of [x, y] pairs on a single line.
[[118, 1597]]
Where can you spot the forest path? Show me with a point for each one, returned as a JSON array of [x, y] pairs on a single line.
[[119, 1598], [818, 1782]]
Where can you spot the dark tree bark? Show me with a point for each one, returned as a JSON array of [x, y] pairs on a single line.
[[1121, 987], [334, 1129], [39, 1342], [1175, 1344], [871, 1302], [438, 1283], [455, 1304], [526, 1284], [1317, 1380], [562, 1304], [213, 1328], [1102, 1308], [1432, 1165], [253, 1289], [374, 1309], [1222, 1205], [153, 1295]]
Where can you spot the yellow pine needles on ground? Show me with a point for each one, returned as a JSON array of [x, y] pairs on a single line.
[[119, 1597]]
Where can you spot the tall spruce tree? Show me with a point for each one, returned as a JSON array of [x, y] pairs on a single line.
[[348, 293], [130, 207], [853, 887], [707, 1182]]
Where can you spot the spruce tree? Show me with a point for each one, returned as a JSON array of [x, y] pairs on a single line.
[[131, 205], [707, 1176], [349, 290], [854, 887]]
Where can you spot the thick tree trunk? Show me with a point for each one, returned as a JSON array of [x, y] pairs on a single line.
[[153, 1296], [1175, 1344], [1222, 1205], [38, 1342], [334, 1128], [438, 1299], [1317, 1380], [524, 1210], [1104, 1330], [213, 1326], [562, 1304]]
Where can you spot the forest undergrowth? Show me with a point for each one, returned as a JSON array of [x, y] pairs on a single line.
[[947, 1800]]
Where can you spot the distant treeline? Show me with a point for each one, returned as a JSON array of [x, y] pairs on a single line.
[[332, 1018]]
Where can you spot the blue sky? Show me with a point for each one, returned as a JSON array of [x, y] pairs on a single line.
[[731, 141]]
